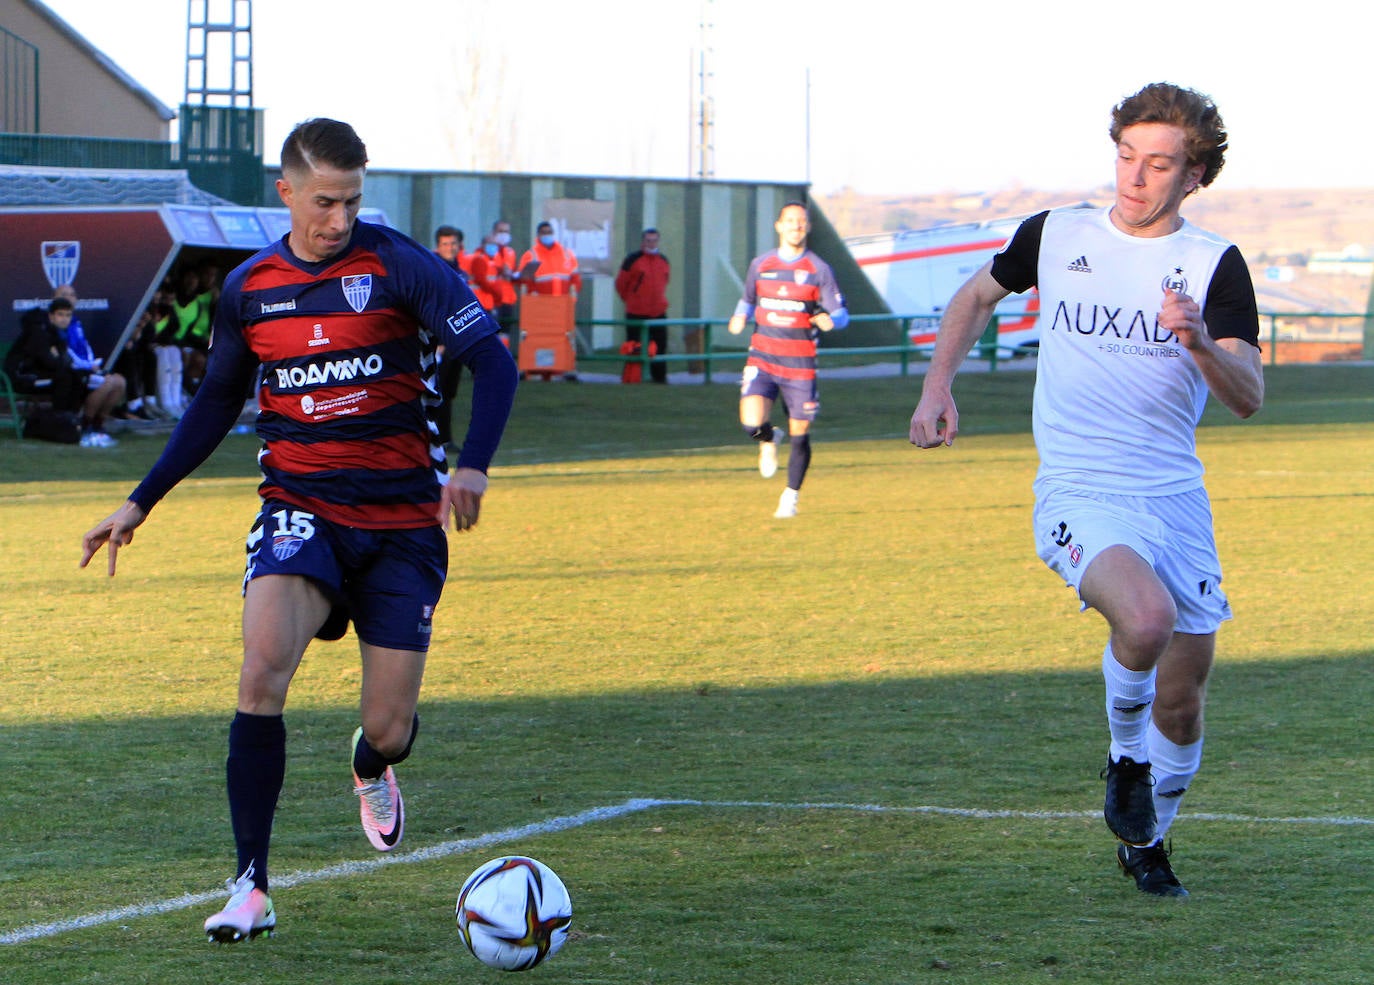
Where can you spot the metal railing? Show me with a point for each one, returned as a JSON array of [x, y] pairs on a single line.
[[1330, 336], [1281, 333], [905, 351]]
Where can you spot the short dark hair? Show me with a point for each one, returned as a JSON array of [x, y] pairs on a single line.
[[651, 231], [793, 204], [443, 231], [60, 304], [542, 226], [323, 141], [1204, 133]]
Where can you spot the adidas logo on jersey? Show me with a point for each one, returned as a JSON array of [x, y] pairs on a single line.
[[1080, 266]]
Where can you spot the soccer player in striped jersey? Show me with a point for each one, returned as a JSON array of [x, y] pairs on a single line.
[[1143, 316], [335, 326], [791, 295]]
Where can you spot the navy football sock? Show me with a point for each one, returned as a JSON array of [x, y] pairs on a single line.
[[369, 764], [254, 773], [798, 460]]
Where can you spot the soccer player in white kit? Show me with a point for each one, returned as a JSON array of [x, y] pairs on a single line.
[[1143, 315]]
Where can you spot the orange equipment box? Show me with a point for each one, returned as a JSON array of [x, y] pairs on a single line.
[[546, 335]]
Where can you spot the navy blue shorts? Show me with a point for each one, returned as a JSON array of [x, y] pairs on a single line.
[[388, 582], [801, 398]]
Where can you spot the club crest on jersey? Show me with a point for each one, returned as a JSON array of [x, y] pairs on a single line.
[[285, 546], [799, 276], [60, 260], [357, 289], [1176, 282]]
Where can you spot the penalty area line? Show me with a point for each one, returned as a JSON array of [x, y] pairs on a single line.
[[595, 815]]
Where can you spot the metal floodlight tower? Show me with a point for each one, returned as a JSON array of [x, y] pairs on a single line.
[[221, 131], [219, 53]]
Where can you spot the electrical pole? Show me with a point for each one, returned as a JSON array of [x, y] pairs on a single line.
[[705, 115]]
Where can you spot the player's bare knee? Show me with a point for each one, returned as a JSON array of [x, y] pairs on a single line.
[[1179, 717], [392, 736]]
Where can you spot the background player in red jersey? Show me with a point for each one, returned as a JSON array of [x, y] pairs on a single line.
[[336, 325], [791, 294]]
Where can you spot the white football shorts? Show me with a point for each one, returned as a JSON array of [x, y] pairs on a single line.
[[1172, 533]]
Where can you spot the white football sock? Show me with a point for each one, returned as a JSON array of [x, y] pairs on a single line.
[[1173, 767], [1130, 696]]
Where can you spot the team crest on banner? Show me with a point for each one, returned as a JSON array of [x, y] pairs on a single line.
[[60, 260], [357, 289], [286, 546]]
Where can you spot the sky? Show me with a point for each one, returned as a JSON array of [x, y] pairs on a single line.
[[879, 96]]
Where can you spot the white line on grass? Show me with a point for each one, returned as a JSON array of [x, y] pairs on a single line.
[[596, 814]]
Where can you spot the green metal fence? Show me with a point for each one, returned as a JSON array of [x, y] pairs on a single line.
[[1287, 337], [712, 357], [52, 151]]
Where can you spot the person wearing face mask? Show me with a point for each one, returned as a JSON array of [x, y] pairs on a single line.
[[549, 267], [503, 276], [484, 272], [642, 284]]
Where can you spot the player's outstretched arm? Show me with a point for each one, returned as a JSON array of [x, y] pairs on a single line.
[[936, 418], [116, 530]]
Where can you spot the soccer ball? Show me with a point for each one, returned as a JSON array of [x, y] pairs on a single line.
[[513, 913]]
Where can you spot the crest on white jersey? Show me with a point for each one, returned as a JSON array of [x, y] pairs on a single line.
[[357, 289], [1176, 282]]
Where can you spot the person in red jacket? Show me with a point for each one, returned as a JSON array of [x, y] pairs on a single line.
[[484, 273], [549, 267], [643, 285], [502, 279]]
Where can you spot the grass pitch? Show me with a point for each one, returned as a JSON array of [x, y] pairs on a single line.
[[858, 746]]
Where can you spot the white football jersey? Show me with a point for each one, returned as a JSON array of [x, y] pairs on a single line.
[[1117, 398]]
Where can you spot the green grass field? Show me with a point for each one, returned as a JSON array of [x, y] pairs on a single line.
[[858, 746]]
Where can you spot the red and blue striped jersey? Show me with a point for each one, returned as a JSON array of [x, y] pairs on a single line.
[[784, 295], [344, 352]]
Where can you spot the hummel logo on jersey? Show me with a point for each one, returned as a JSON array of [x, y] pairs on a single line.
[[1080, 266]]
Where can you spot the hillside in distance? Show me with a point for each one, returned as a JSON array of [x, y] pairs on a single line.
[[1276, 229]]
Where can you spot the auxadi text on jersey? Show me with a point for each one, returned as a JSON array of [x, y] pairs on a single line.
[[1098, 319], [333, 371]]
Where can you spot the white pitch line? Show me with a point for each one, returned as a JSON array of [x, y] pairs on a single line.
[[594, 815], [38, 931]]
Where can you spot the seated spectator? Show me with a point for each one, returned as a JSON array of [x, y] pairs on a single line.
[[104, 391], [40, 364], [37, 363]]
